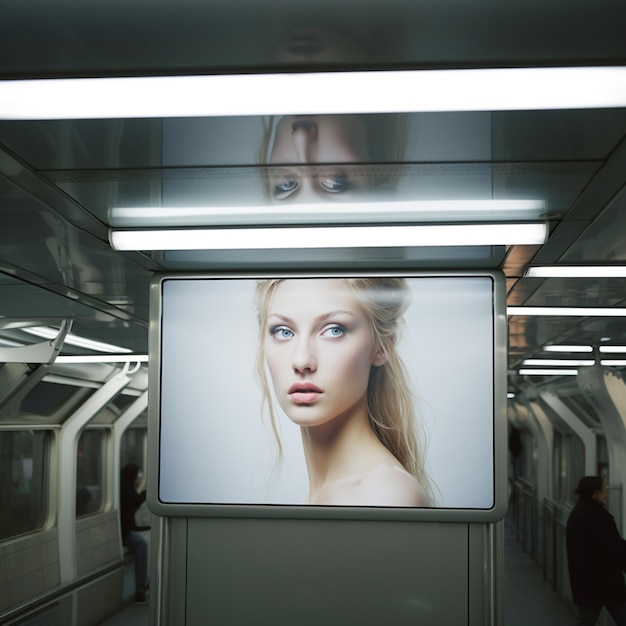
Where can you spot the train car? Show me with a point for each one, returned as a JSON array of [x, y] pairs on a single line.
[[344, 283]]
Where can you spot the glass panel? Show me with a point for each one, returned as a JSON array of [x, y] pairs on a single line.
[[133, 447], [122, 401], [23, 488], [576, 451], [556, 467], [47, 398], [90, 472]]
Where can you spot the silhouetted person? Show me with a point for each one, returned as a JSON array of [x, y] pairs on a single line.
[[515, 448], [130, 501], [596, 556]]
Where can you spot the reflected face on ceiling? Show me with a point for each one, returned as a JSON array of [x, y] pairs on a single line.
[[330, 139], [318, 44]]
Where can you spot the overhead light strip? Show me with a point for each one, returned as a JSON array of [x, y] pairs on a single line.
[[71, 339], [313, 93], [547, 372], [103, 358], [328, 213], [330, 237], [566, 311], [578, 271], [613, 349], [560, 362], [567, 348]]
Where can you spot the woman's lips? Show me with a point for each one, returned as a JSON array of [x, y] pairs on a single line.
[[304, 393]]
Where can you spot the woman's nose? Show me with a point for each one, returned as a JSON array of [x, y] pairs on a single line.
[[304, 358], [304, 138]]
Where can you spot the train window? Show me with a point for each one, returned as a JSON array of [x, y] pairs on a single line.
[[23, 487], [133, 447], [90, 472], [603, 457], [122, 400], [576, 464], [569, 465], [49, 402], [47, 398]]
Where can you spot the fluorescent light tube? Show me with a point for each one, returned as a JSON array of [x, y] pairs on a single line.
[[328, 213], [613, 349], [547, 372], [579, 271], [559, 362], [330, 237], [613, 362], [73, 340], [564, 348], [566, 311], [103, 358], [313, 93]]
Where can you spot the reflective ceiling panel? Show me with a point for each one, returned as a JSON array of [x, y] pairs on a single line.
[[59, 180]]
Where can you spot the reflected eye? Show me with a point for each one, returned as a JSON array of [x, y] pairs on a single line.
[[336, 330], [335, 184], [285, 187], [281, 332]]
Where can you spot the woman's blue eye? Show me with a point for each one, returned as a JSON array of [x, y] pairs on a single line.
[[285, 187], [337, 330], [335, 184], [281, 332]]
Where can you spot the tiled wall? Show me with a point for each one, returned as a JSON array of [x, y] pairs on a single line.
[[29, 565], [97, 541]]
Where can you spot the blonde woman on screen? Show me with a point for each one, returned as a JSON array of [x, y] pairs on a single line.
[[329, 346]]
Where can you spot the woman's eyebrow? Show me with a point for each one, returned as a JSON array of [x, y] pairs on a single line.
[[325, 316], [322, 317], [280, 316]]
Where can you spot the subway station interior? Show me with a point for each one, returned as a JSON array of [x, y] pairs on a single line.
[[161, 161]]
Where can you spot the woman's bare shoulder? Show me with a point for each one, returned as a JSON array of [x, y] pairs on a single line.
[[391, 485]]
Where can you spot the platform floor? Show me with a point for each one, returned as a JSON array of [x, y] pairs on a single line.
[[528, 597]]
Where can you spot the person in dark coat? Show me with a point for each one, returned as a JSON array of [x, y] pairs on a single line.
[[596, 555], [130, 501]]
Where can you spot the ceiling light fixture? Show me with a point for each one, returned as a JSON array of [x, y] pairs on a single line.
[[565, 311], [45, 332], [613, 349], [330, 237], [403, 91], [576, 271], [547, 372], [328, 213], [565, 348], [559, 362], [103, 358], [613, 362]]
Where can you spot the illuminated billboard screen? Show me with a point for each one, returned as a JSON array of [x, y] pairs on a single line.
[[337, 394]]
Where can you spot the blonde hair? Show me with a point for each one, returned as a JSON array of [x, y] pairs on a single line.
[[390, 402]]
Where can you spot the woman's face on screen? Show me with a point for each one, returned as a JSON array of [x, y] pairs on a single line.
[[319, 349], [318, 139]]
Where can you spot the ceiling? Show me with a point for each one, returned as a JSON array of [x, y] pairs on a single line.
[[60, 178]]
